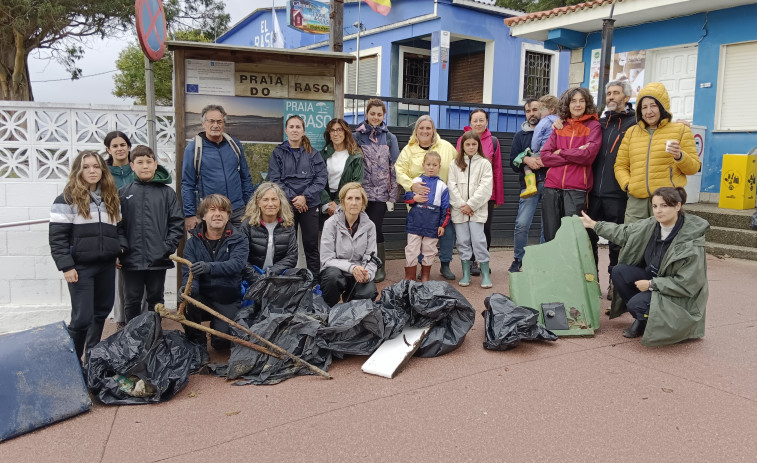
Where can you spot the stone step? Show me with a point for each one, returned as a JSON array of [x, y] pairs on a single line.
[[734, 236], [730, 218], [729, 250]]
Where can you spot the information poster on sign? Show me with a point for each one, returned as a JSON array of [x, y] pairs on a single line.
[[316, 115], [206, 77]]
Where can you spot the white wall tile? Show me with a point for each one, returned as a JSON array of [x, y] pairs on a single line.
[[28, 243], [35, 292], [15, 267]]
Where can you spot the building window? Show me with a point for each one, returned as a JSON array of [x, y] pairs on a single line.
[[736, 95], [537, 73], [416, 76]]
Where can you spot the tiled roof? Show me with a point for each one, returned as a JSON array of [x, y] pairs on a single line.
[[557, 11]]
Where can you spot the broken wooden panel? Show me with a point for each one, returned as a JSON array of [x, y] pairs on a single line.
[[393, 354], [40, 380], [561, 271]]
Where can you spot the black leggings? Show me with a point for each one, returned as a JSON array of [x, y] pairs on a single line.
[[376, 211], [308, 222]]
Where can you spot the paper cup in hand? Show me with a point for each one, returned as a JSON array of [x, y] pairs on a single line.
[[667, 146]]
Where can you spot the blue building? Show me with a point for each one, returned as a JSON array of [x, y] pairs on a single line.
[[704, 51], [444, 50]]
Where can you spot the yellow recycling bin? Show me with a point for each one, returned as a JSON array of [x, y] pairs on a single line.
[[737, 185]]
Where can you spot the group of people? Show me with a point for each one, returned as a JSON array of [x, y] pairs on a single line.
[[626, 169], [623, 174]]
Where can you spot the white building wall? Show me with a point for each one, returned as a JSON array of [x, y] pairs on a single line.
[[37, 142]]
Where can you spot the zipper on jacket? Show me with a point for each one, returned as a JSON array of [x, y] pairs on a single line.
[[100, 223], [470, 167], [649, 148]]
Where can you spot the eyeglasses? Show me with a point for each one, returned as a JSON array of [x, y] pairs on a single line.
[[215, 121], [336, 130]]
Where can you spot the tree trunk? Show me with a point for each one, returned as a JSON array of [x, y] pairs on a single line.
[[14, 71]]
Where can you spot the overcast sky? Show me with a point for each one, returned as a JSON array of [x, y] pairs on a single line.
[[51, 82]]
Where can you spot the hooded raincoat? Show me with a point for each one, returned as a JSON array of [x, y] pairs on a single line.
[[679, 298], [492, 151]]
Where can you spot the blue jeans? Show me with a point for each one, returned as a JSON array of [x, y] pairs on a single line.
[[526, 211]]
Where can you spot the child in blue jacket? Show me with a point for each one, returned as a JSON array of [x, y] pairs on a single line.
[[426, 219]]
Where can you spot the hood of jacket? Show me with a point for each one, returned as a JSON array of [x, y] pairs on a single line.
[[199, 231], [365, 127], [161, 176], [485, 134], [526, 127], [657, 91], [628, 110], [329, 150], [584, 118], [342, 227]]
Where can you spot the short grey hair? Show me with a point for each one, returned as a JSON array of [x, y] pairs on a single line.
[[212, 107], [627, 91]]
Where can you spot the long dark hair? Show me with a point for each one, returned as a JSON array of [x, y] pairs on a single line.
[[349, 141], [460, 159], [568, 95], [305, 140], [109, 138]]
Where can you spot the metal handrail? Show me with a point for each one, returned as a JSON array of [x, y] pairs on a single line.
[[23, 223]]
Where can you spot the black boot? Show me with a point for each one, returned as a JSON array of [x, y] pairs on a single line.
[[80, 339], [636, 329]]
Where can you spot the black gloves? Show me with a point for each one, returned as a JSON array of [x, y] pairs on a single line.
[[198, 268]]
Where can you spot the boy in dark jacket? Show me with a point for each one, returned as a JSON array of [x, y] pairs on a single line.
[[149, 231], [218, 253], [426, 221]]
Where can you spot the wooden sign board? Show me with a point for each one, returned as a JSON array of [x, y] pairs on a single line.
[[261, 84], [311, 88]]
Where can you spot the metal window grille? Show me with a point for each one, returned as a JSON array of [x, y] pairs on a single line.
[[416, 76], [536, 74]]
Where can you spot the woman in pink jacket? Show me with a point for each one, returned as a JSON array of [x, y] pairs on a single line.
[[479, 123], [569, 153]]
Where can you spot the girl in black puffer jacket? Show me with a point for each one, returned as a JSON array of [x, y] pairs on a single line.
[[269, 225], [84, 245]]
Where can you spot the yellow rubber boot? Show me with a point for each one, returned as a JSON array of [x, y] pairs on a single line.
[[530, 186]]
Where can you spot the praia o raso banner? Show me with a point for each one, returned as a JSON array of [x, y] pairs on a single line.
[[316, 115]]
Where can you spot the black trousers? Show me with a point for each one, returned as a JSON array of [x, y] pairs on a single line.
[[624, 278], [308, 222], [556, 204], [336, 284], [91, 300], [376, 211], [608, 210], [149, 283], [198, 315]]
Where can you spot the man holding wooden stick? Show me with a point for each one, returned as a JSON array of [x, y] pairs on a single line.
[[218, 253]]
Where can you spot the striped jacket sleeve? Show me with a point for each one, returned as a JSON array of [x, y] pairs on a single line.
[[62, 217]]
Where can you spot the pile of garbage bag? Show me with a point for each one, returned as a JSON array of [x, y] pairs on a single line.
[[507, 324], [141, 363]]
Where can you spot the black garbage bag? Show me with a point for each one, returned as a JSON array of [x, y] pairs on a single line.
[[288, 314], [507, 324], [355, 328], [141, 363]]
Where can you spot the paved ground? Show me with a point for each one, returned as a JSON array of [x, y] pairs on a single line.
[[604, 398]]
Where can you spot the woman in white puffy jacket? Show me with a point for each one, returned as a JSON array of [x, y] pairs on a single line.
[[470, 187]]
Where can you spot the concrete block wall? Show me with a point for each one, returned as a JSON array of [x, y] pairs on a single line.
[[32, 291]]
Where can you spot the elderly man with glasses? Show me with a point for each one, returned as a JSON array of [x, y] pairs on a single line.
[[214, 162]]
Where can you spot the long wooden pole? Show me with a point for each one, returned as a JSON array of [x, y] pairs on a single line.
[[272, 346]]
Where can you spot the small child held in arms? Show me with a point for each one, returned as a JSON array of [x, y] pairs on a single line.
[[470, 187], [150, 229], [548, 106], [426, 220]]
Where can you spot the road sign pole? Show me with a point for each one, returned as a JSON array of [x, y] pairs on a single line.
[[150, 101]]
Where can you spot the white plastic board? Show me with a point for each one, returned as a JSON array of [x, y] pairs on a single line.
[[394, 353]]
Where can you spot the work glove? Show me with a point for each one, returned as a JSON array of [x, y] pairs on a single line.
[[180, 295], [198, 268]]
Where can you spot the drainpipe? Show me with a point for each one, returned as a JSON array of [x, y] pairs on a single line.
[[608, 26]]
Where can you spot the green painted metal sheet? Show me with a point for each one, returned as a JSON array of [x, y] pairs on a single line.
[[562, 270]]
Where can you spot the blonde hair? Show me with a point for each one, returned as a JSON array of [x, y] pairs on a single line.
[[432, 154], [76, 191], [550, 102], [252, 211], [424, 118], [353, 186]]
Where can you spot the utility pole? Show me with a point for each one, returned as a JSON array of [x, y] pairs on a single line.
[[608, 27], [336, 25]]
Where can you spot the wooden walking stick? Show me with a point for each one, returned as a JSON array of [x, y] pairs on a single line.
[[276, 349]]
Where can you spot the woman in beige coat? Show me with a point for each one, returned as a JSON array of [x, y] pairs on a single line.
[[470, 187]]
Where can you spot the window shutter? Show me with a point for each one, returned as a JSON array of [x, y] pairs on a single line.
[[368, 76], [738, 98]]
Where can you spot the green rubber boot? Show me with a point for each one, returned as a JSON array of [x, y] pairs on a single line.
[[380, 272], [486, 281], [466, 274], [447, 272]]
